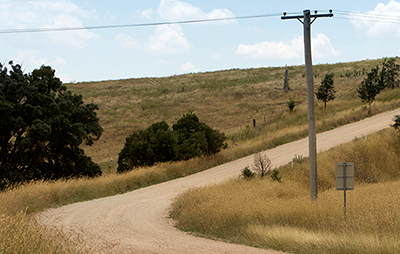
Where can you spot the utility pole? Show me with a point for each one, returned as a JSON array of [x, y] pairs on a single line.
[[312, 136]]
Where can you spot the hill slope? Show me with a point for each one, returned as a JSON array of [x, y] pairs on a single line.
[[225, 100]]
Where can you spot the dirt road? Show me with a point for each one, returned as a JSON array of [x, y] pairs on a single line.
[[136, 222]]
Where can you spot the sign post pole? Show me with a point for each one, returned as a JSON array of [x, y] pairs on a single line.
[[344, 180]]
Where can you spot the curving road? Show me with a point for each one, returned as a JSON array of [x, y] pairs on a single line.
[[137, 222]]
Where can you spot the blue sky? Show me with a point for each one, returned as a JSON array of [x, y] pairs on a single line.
[[156, 51]]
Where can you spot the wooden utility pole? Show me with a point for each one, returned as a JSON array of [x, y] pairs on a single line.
[[312, 137]]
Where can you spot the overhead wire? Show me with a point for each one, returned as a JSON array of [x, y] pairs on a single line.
[[366, 17], [40, 30], [338, 14]]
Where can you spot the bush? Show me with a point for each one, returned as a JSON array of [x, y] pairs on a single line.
[[247, 174], [291, 103], [188, 138], [144, 148]]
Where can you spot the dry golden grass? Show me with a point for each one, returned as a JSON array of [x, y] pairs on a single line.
[[20, 234], [281, 215], [226, 100]]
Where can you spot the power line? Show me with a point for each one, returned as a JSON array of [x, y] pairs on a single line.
[[41, 30], [367, 17]]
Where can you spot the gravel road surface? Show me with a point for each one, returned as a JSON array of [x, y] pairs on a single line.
[[137, 222]]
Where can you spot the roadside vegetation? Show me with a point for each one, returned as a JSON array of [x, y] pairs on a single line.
[[227, 101], [281, 216]]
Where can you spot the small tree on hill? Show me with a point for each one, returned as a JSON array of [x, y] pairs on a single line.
[[326, 91], [42, 127], [391, 73], [371, 86], [262, 164]]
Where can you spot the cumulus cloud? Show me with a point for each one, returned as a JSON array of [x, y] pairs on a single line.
[[188, 67], [216, 55], [371, 28], [177, 10], [146, 14], [127, 41], [321, 47], [29, 58], [168, 39], [72, 39], [48, 14]]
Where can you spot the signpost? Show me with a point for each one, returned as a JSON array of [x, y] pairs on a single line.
[[344, 179]]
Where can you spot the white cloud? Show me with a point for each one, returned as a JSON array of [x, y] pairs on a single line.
[[272, 49], [188, 67], [177, 10], [48, 14], [147, 14], [65, 78], [370, 27], [29, 58], [127, 41], [321, 48], [163, 62], [71, 39], [216, 55], [59, 60], [168, 39]]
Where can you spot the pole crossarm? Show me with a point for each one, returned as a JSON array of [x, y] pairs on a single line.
[[311, 16]]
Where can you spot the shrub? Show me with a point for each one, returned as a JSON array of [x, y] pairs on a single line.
[[188, 138], [144, 148], [247, 174], [291, 103]]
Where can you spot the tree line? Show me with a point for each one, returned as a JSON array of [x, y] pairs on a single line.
[[377, 79]]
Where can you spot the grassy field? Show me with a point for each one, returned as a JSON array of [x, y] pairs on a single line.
[[281, 216], [226, 100]]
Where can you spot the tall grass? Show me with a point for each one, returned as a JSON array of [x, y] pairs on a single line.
[[282, 216], [234, 98], [20, 234], [225, 100]]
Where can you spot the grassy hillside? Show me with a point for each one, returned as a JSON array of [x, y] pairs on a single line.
[[281, 216], [225, 100]]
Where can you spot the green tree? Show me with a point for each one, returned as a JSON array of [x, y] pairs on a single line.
[[391, 72], [196, 138], [291, 103], [42, 126], [144, 148], [326, 91], [396, 123], [188, 138], [372, 85]]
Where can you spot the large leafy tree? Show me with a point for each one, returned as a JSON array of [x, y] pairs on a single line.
[[42, 126], [326, 91]]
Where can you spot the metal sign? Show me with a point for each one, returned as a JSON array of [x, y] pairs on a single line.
[[344, 180], [344, 176]]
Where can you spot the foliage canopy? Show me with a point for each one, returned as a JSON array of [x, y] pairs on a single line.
[[326, 91], [42, 126], [188, 138]]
